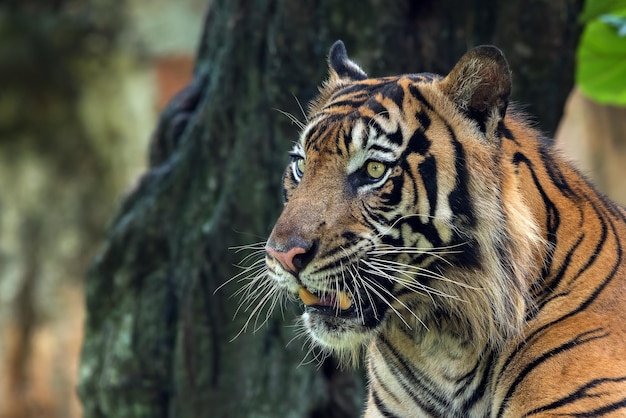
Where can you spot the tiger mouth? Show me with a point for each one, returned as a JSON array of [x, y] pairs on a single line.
[[332, 303], [337, 304]]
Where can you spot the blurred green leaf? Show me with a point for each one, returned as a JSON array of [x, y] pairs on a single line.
[[618, 22], [601, 71], [593, 9]]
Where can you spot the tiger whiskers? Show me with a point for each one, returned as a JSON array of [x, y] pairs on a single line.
[[292, 118], [435, 252], [248, 264], [313, 352], [318, 355], [408, 272], [258, 296], [354, 295], [256, 301], [358, 282], [377, 288], [300, 331], [421, 246], [306, 119]]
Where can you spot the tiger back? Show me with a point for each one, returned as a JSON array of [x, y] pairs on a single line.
[[429, 227]]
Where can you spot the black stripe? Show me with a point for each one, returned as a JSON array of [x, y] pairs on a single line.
[[373, 123], [582, 307], [576, 342], [314, 137], [428, 230], [396, 137], [435, 404], [553, 222], [377, 147], [355, 89], [423, 119], [597, 250], [459, 199], [394, 92], [381, 407], [350, 103], [506, 132], [394, 196], [581, 392], [377, 219], [468, 254], [480, 117], [607, 409], [376, 222], [387, 239], [377, 107], [415, 92], [550, 287], [479, 392], [342, 137], [383, 386], [424, 77], [428, 172], [418, 143], [557, 177]]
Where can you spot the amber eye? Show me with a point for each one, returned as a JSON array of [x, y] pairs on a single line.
[[375, 169], [300, 165]]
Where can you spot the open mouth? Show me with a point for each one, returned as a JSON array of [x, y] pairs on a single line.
[[337, 303]]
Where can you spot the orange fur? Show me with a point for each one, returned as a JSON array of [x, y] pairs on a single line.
[[486, 274]]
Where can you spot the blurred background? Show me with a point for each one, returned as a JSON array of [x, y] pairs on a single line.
[[82, 83], [81, 87]]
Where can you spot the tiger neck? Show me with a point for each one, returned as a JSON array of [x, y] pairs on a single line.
[[409, 366]]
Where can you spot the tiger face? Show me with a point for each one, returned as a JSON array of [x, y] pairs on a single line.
[[379, 225]]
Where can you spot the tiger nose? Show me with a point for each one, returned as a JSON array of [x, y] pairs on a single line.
[[294, 257]]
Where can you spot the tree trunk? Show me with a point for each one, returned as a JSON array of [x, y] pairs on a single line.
[[160, 334]]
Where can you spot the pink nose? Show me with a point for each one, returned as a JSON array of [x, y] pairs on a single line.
[[288, 259]]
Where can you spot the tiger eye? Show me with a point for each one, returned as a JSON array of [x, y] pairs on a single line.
[[375, 169], [300, 165]]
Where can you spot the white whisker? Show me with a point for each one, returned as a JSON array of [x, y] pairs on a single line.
[[292, 118], [371, 284], [269, 296], [382, 288], [410, 271], [358, 280], [254, 246], [306, 119]]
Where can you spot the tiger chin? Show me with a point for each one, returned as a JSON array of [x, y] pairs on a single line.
[[428, 225]]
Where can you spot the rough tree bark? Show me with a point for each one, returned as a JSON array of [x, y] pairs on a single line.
[[158, 336]]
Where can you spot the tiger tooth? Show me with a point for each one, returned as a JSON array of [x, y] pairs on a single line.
[[344, 300], [307, 297]]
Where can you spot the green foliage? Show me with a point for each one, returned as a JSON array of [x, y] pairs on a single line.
[[596, 8], [601, 71]]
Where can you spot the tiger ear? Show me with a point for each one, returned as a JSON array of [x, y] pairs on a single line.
[[341, 67], [480, 85], [341, 70]]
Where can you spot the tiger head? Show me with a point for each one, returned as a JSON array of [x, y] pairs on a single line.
[[399, 211]]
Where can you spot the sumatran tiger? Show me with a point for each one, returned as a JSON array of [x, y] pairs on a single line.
[[437, 232]]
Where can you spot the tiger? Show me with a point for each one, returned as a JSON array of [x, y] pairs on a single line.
[[430, 231]]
